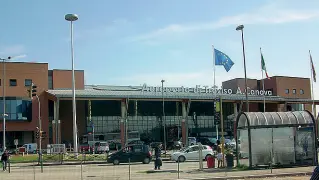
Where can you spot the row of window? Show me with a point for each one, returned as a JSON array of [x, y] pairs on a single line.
[[294, 91], [14, 82], [17, 110]]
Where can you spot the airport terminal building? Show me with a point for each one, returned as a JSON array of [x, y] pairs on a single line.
[[137, 111]]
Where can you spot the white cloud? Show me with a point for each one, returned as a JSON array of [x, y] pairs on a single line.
[[204, 77], [99, 30], [13, 50], [19, 56], [269, 14]]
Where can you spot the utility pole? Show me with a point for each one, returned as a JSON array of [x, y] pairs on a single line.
[[32, 93]]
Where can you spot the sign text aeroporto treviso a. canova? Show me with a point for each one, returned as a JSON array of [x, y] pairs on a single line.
[[205, 89]]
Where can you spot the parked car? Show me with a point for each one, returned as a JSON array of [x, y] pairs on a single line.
[[191, 141], [192, 153], [102, 147], [212, 142], [131, 153], [86, 148], [114, 145], [137, 142]]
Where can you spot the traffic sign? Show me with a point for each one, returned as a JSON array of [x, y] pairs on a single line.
[[16, 142]]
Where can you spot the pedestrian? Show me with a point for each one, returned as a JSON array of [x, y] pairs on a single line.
[[220, 158], [158, 160], [4, 159]]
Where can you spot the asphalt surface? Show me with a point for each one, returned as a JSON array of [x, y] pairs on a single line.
[[137, 171]]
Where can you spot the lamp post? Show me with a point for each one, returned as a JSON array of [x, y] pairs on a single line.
[[241, 28], [4, 100], [71, 18], [163, 118]]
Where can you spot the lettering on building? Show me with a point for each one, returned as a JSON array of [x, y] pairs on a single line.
[[206, 90]]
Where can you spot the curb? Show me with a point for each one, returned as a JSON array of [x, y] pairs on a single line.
[[254, 176]]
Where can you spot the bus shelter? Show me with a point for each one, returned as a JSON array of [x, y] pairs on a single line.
[[276, 138]]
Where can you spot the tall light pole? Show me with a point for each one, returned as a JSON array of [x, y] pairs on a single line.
[[4, 100], [241, 28], [71, 18], [163, 118]]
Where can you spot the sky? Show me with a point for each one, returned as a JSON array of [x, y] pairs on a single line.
[[136, 42]]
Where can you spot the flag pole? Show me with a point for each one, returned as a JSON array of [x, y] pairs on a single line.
[[214, 71], [312, 79], [214, 89], [262, 79]]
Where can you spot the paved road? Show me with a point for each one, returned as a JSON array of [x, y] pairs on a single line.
[[123, 172]]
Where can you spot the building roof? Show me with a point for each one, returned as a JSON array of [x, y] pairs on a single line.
[[274, 119], [137, 92]]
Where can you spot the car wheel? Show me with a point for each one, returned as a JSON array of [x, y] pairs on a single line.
[[116, 162], [146, 161], [181, 159], [208, 156]]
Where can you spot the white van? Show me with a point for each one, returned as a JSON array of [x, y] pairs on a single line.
[[30, 148]]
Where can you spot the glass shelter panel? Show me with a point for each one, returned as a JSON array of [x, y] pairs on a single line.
[[261, 146], [243, 146], [283, 146], [304, 145]]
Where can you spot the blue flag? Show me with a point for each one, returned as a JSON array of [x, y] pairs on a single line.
[[221, 59]]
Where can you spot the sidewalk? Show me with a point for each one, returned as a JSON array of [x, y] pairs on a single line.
[[220, 174], [137, 173]]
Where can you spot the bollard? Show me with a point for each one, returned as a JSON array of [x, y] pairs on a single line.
[[33, 171], [178, 168], [200, 156], [129, 168], [41, 162], [81, 170], [9, 165]]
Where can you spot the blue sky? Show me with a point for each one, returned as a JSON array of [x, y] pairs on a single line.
[[135, 42]]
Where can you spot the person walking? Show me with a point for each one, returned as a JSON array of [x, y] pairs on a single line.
[[158, 160], [4, 159], [220, 159]]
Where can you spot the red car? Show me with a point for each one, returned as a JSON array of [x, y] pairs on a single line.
[[86, 148]]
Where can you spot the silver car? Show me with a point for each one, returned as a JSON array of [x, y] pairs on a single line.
[[101, 147]]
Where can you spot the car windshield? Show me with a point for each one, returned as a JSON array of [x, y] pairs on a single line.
[[183, 149], [103, 144], [213, 140]]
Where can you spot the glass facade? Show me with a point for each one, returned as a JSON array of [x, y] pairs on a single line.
[[146, 118], [17, 109]]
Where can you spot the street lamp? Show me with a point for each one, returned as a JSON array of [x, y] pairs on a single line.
[[71, 18], [4, 100], [241, 28], [163, 118]]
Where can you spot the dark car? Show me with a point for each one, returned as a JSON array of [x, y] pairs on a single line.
[[212, 142], [136, 142], [131, 153]]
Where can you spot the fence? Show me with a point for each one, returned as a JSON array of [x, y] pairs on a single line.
[[89, 166]]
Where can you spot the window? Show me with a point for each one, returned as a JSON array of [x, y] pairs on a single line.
[[27, 82], [17, 110], [301, 91], [287, 91], [13, 82], [195, 148], [294, 91], [50, 81]]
